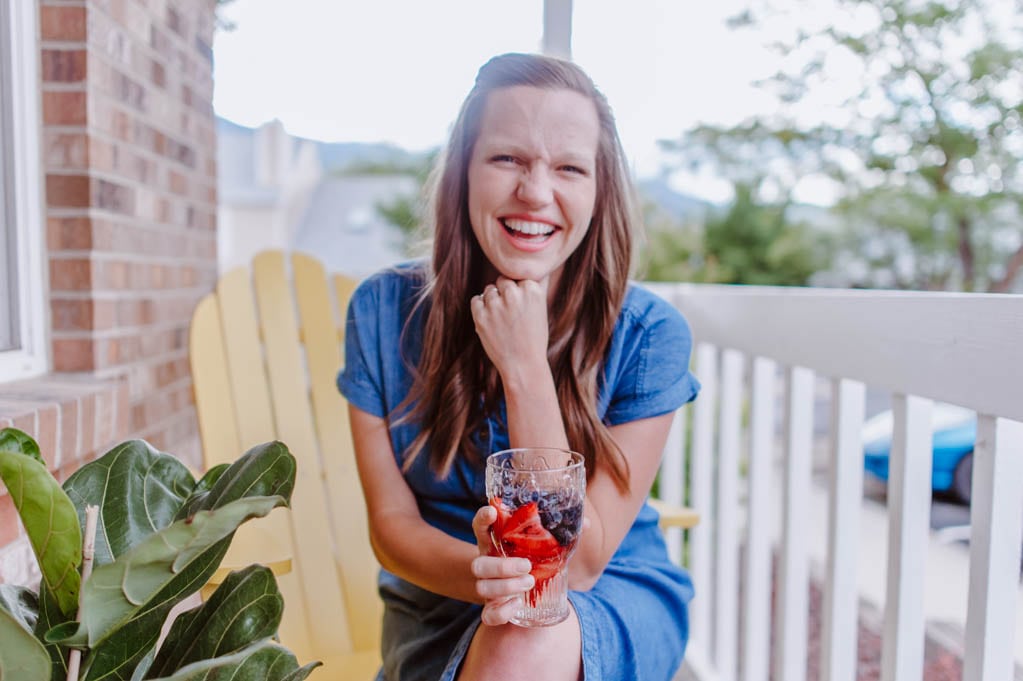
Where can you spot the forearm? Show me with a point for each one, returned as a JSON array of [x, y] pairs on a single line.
[[410, 548], [534, 415], [535, 420]]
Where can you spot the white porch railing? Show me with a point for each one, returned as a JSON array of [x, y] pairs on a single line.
[[958, 348]]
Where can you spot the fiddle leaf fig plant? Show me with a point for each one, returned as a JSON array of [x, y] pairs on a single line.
[[161, 534]]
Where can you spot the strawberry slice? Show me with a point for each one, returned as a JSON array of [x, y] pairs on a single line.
[[523, 535]]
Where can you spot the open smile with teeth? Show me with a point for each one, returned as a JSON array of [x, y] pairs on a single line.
[[524, 229]]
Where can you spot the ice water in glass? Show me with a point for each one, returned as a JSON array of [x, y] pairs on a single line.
[[538, 495]]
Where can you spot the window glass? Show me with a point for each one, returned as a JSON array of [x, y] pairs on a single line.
[[23, 341], [8, 246]]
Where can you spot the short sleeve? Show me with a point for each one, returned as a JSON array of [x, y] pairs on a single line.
[[361, 379], [652, 376]]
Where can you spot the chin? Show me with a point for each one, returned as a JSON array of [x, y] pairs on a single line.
[[525, 274]]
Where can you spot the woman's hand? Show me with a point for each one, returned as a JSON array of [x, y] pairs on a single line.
[[511, 322], [500, 581]]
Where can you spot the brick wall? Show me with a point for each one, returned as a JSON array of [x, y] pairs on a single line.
[[128, 151]]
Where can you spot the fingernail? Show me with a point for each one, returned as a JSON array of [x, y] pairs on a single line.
[[530, 582], [523, 565]]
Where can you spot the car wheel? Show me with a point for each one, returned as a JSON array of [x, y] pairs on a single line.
[[962, 478]]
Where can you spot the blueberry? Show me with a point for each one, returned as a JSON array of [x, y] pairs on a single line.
[[564, 535]]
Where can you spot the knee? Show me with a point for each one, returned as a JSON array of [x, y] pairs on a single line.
[[512, 653]]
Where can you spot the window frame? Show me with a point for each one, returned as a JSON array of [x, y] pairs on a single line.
[[22, 178]]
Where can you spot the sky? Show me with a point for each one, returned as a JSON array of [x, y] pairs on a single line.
[[397, 70]]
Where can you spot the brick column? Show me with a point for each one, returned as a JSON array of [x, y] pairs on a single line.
[[129, 143], [128, 152]]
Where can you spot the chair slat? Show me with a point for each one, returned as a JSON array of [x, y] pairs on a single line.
[[211, 383], [794, 561], [314, 561], [242, 356], [845, 488], [909, 505], [357, 567], [726, 604], [996, 520], [249, 384], [703, 464], [756, 659]]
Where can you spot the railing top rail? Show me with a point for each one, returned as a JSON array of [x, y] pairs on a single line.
[[962, 348]]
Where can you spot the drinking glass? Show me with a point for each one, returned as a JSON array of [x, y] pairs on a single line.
[[538, 493]]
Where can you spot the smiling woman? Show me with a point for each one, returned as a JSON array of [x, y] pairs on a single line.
[[521, 331]]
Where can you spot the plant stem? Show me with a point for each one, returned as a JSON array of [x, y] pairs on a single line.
[[88, 552]]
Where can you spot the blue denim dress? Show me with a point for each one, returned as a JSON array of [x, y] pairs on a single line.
[[634, 621]]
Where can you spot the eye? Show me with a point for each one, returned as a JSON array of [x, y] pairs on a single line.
[[574, 169], [502, 158]]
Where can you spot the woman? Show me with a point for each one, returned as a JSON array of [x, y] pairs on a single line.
[[522, 330]]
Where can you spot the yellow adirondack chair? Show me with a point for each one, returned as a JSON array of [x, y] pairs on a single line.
[[264, 352], [265, 348]]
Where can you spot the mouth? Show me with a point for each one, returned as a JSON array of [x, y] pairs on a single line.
[[528, 231]]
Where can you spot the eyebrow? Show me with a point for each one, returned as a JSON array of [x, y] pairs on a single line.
[[572, 157]]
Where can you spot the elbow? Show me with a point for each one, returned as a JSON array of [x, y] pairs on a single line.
[[581, 578], [382, 556]]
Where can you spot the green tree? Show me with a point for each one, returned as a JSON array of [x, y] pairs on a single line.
[[926, 154], [749, 243], [405, 211]]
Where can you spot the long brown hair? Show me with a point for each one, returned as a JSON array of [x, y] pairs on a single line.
[[454, 371]]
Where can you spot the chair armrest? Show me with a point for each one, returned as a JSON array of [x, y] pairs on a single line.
[[675, 516]]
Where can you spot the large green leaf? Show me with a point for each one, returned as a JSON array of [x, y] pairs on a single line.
[[21, 655], [263, 661], [265, 470], [138, 490], [46, 512], [243, 610], [124, 603], [14, 440]]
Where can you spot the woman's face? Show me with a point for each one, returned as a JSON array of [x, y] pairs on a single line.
[[532, 180]]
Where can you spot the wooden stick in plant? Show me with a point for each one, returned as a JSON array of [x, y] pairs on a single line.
[[88, 552]]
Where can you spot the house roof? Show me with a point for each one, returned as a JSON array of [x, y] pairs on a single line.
[[343, 228]]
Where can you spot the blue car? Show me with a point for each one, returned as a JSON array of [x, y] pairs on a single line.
[[954, 430]]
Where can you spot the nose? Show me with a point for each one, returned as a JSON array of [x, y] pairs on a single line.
[[535, 187]]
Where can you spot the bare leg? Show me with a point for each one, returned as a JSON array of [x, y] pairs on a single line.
[[511, 653]]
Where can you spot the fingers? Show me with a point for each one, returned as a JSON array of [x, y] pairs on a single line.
[[498, 612], [481, 523], [501, 583], [500, 588], [498, 567]]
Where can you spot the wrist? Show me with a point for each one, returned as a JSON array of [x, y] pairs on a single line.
[[526, 378]]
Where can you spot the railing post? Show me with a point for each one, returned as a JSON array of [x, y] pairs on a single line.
[[793, 561], [756, 619], [557, 28], [701, 536], [909, 504], [996, 522], [673, 478], [841, 592], [726, 595]]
